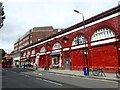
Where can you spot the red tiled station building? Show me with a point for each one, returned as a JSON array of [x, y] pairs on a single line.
[[71, 49]]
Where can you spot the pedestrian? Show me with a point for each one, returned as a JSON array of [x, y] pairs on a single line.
[[20, 66], [32, 64], [17, 64], [24, 65], [36, 66], [29, 64]]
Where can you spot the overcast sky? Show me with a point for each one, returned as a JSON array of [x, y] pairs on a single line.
[[23, 15]]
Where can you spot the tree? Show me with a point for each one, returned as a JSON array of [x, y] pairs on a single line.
[[2, 53], [2, 17], [12, 53]]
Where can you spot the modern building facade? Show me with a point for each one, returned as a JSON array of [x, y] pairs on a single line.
[[71, 49], [32, 36]]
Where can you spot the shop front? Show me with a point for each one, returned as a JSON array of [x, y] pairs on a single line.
[[56, 60]]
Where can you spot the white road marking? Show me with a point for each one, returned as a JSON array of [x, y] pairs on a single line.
[[50, 81], [53, 82], [35, 73], [27, 75], [40, 74], [39, 78]]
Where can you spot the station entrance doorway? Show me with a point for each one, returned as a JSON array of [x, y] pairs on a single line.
[[67, 63]]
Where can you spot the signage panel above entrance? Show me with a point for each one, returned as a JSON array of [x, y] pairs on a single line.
[[54, 54]]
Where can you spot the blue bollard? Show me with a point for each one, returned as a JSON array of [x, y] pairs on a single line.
[[86, 71]]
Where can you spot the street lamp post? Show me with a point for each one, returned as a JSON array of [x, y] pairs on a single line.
[[83, 20], [85, 51]]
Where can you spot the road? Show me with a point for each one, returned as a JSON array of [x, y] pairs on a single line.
[[13, 78], [22, 78]]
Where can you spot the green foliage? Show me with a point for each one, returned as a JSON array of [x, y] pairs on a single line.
[[12, 53], [2, 53]]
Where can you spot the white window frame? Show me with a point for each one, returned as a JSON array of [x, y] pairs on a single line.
[[33, 52], [102, 33], [79, 39], [24, 54], [42, 49], [56, 45], [28, 53]]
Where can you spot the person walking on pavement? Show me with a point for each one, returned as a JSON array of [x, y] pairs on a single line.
[[36, 66], [31, 64], [17, 64], [24, 65]]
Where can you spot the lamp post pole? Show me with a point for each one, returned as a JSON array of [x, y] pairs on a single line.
[[85, 51], [83, 20]]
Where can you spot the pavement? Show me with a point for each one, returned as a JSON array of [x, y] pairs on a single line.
[[78, 73]]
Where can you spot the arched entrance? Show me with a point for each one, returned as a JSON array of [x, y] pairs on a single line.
[[56, 55]]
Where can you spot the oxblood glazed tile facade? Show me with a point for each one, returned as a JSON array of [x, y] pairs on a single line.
[[69, 48]]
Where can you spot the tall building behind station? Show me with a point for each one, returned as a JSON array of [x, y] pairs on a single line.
[[32, 36]]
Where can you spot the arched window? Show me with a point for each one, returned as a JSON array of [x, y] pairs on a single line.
[[28, 53], [57, 45], [42, 49], [79, 39], [24, 54], [33, 52], [102, 34]]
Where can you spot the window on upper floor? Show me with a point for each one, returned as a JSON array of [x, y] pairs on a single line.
[[57, 45], [33, 52], [79, 39], [102, 34], [42, 49], [24, 54], [30, 41], [28, 53]]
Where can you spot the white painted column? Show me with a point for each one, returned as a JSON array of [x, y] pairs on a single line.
[[37, 58], [60, 61], [52, 61]]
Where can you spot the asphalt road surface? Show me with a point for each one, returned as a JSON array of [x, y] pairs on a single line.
[[23, 78], [15, 79]]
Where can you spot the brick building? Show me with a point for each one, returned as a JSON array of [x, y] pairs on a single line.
[[32, 36], [71, 49]]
